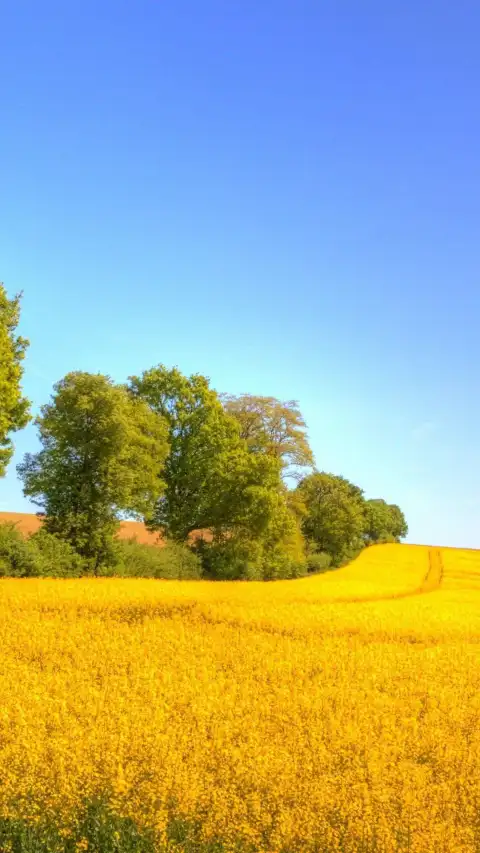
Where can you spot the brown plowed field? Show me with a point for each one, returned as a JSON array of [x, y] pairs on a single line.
[[29, 523]]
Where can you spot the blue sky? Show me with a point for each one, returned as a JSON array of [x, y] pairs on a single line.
[[284, 196]]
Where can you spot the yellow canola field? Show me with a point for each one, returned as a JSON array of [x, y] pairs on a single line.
[[334, 713]]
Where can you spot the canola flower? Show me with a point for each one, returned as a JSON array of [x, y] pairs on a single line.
[[334, 713]]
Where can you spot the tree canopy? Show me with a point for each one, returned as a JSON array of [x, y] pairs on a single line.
[[213, 473], [334, 519], [14, 407], [102, 454], [384, 522], [272, 427], [212, 482]]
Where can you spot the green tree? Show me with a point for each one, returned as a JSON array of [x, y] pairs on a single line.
[[101, 455], [383, 522], [269, 544], [284, 547], [213, 483], [210, 476], [14, 408], [334, 521], [399, 526], [272, 427]]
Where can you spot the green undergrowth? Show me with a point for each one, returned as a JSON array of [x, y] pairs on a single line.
[[98, 830], [45, 555]]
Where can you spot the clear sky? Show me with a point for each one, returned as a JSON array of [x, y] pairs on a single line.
[[284, 196]]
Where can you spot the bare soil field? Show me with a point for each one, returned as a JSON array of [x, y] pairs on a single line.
[[29, 522]]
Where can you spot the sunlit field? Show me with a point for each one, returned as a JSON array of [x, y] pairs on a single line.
[[334, 713]]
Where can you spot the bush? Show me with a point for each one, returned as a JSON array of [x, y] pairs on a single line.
[[350, 553], [45, 555], [285, 559], [317, 563], [39, 555], [57, 556], [276, 551], [136, 560], [234, 558], [383, 539], [19, 557], [243, 558], [279, 564]]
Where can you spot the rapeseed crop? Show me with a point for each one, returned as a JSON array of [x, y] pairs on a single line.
[[337, 713]]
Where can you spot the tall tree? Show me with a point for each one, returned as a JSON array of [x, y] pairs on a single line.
[[14, 407], [384, 522], [272, 427], [334, 520], [212, 481], [102, 453]]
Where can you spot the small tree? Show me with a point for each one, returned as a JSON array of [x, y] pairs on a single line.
[[102, 453], [334, 520], [383, 522], [272, 427], [399, 526], [14, 408]]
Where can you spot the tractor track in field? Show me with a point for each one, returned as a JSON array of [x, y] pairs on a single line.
[[433, 578], [194, 611], [431, 581]]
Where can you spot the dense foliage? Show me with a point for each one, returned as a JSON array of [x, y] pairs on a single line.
[[208, 472], [217, 483], [40, 555], [102, 451], [334, 521], [212, 482], [384, 522], [272, 427], [14, 407], [229, 480], [45, 554], [137, 560]]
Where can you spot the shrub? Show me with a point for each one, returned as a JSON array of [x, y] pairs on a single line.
[[285, 558], [19, 557], [243, 558], [149, 561], [57, 556], [45, 555], [384, 539], [282, 567], [232, 558], [320, 562], [349, 554]]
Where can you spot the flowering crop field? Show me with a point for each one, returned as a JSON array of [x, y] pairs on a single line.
[[339, 712]]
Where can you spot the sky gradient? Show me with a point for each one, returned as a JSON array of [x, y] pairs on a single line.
[[282, 196]]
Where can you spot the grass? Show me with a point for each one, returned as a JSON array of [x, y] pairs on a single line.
[[96, 830]]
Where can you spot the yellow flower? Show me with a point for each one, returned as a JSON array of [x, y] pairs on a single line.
[[331, 712]]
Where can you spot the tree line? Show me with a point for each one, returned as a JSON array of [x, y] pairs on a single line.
[[230, 478]]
